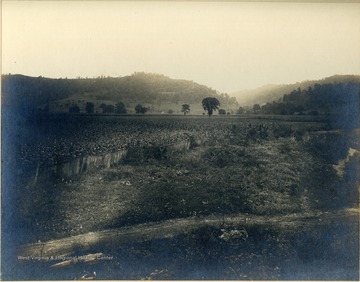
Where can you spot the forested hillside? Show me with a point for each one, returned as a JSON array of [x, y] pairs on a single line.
[[273, 92], [322, 98], [339, 101], [159, 93]]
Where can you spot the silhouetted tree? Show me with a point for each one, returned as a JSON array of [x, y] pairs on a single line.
[[89, 107], [222, 112], [74, 109], [140, 109], [120, 108], [107, 109], [210, 104], [256, 108], [185, 108], [240, 111]]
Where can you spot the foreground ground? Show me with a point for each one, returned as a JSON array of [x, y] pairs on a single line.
[[247, 199], [319, 245]]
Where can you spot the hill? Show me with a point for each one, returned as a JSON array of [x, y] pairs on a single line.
[[273, 92], [159, 93], [338, 101]]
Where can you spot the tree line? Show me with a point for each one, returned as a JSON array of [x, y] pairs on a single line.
[[118, 108], [209, 104]]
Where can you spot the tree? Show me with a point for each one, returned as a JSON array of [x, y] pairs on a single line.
[[256, 108], [120, 108], [140, 109], [240, 111], [107, 108], [74, 109], [222, 112], [89, 107], [210, 104], [185, 109]]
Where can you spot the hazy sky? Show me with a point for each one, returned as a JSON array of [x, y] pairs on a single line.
[[227, 46]]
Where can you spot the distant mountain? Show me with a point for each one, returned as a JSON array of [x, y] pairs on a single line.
[[273, 92], [159, 93]]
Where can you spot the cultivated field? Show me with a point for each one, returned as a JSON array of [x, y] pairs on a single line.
[[181, 197]]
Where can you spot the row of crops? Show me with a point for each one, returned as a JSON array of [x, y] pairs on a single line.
[[61, 139]]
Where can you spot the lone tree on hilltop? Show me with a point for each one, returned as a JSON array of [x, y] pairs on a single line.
[[140, 109], [210, 104], [185, 109]]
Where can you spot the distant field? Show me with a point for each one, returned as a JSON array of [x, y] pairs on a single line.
[[185, 167], [62, 137]]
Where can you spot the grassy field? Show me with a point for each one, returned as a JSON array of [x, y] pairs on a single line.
[[261, 172]]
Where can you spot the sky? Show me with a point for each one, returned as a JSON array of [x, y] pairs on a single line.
[[228, 46]]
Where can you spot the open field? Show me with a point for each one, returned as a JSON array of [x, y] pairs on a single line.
[[199, 198]]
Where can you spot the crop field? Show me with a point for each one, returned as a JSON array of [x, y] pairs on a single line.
[[180, 197]]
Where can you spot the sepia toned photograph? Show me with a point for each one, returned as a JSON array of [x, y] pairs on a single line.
[[185, 140]]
